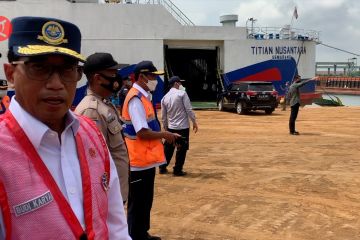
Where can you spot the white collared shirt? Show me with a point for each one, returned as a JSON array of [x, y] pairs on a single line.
[[138, 119], [62, 161], [176, 110]]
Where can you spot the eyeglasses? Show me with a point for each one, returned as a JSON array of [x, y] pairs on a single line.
[[40, 71]]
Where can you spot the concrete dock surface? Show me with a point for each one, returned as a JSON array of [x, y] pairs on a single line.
[[249, 179]]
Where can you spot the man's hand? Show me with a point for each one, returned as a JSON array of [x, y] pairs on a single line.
[[170, 137], [195, 127]]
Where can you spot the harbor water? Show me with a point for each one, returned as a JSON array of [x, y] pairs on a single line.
[[347, 100]]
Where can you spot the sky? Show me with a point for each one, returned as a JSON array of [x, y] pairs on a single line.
[[337, 21]]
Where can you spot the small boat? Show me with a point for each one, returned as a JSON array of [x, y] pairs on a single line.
[[333, 101]]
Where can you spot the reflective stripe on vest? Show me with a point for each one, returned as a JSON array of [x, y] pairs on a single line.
[[4, 104], [51, 216], [142, 152]]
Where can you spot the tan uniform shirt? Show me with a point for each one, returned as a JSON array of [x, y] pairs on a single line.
[[106, 117]]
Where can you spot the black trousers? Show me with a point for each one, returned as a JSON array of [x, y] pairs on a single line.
[[293, 116], [181, 149], [141, 194]]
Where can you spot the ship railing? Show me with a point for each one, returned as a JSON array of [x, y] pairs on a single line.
[[170, 7], [286, 32], [336, 82]]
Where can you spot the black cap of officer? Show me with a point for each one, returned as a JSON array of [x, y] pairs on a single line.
[[101, 61]]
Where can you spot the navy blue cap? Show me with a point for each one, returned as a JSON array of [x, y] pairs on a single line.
[[36, 36], [147, 67], [175, 79]]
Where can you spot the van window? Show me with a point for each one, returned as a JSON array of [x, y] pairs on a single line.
[[261, 87]]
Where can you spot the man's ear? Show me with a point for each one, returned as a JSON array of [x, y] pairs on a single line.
[[9, 72], [97, 79]]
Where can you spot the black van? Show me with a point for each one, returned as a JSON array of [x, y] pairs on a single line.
[[247, 96]]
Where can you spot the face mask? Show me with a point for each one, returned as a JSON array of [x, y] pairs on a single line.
[[151, 85], [3, 93], [114, 84], [182, 88]]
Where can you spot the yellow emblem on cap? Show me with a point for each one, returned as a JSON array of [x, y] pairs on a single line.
[[53, 33]]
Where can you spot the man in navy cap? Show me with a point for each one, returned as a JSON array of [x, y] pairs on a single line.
[[144, 141], [176, 110], [57, 179]]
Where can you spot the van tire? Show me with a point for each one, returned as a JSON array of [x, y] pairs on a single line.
[[269, 111], [240, 108], [221, 105]]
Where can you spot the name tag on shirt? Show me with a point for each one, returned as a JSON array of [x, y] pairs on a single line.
[[33, 204]]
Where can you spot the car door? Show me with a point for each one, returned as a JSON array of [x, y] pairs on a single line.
[[233, 94], [226, 97]]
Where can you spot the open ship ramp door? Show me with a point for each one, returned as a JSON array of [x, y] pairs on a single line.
[[200, 70]]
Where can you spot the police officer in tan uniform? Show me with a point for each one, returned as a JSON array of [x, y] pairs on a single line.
[[103, 81]]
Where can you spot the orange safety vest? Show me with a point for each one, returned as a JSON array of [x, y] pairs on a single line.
[[30, 200], [142, 152], [5, 102]]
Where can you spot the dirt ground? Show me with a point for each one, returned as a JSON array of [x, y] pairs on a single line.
[[249, 179]]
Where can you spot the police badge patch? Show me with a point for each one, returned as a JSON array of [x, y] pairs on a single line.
[[105, 181], [53, 33]]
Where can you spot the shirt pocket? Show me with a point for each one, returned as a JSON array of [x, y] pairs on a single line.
[[115, 137]]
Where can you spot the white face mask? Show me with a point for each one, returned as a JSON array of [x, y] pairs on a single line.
[[182, 88], [151, 84], [3, 93]]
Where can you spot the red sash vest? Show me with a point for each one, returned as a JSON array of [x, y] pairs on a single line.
[[30, 200]]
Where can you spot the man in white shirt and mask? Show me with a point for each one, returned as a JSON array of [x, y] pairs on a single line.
[[176, 110]]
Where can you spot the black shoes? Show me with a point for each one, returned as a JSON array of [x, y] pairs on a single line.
[[163, 170], [149, 237], [295, 133], [179, 173]]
